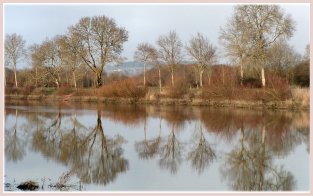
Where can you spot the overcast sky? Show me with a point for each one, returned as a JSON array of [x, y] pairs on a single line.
[[144, 22]]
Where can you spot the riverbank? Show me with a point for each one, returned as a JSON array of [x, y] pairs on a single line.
[[286, 105]]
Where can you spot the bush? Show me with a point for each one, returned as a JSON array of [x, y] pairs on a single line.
[[85, 92], [64, 90], [251, 82], [124, 88], [179, 89], [27, 90], [302, 74]]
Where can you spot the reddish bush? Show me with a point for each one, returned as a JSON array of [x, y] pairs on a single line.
[[124, 88], [179, 89]]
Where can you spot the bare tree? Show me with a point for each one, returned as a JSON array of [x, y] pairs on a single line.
[[37, 56], [265, 24], [203, 53], [170, 51], [145, 53], [101, 42], [70, 47], [14, 51], [281, 56], [235, 39], [53, 58]]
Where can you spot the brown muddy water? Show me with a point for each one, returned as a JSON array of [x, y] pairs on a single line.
[[94, 147]]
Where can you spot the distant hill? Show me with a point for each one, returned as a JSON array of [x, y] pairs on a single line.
[[129, 68]]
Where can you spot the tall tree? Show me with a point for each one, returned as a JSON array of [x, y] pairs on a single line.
[[14, 51], [37, 56], [235, 39], [281, 57], [70, 46], [54, 61], [170, 51], [202, 52], [101, 42], [145, 53], [265, 24]]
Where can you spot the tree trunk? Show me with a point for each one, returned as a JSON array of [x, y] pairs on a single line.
[[144, 74], [172, 77], [15, 78], [74, 78], [160, 81], [200, 78], [36, 77], [241, 75], [263, 77], [57, 83], [99, 80]]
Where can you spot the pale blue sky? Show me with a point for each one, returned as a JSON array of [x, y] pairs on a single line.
[[144, 22]]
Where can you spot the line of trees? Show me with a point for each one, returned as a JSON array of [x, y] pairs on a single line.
[[255, 38]]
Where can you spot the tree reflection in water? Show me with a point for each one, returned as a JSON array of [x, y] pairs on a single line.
[[148, 149], [14, 145], [47, 139], [202, 154], [103, 160], [250, 166], [256, 138], [91, 155], [171, 153]]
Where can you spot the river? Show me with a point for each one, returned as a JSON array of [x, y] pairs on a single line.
[[94, 147]]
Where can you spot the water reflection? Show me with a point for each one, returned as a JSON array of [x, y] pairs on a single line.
[[148, 149], [104, 158], [250, 166], [202, 154], [256, 139], [92, 155], [14, 145], [171, 152]]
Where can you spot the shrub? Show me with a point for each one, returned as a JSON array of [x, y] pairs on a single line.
[[302, 74], [179, 89], [85, 92], [64, 90], [301, 95], [27, 90], [124, 88]]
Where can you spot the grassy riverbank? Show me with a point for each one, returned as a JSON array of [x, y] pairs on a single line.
[[244, 98]]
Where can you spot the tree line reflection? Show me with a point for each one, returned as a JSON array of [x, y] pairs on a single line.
[[98, 158]]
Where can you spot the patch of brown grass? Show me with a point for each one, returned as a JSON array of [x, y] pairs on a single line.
[[301, 95]]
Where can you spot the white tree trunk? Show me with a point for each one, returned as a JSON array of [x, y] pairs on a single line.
[[144, 74], [74, 78], [172, 77], [241, 75], [15, 78], [160, 81], [57, 82], [200, 78], [263, 77]]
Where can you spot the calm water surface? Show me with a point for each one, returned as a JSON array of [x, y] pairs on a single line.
[[150, 148]]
